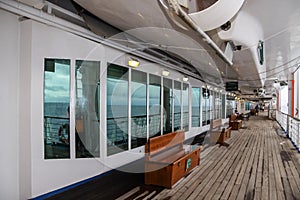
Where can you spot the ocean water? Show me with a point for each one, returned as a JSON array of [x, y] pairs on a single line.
[[56, 109]]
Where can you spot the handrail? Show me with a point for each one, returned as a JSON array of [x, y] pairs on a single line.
[[288, 115], [291, 127]]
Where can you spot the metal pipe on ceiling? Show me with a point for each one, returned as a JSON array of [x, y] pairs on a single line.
[[190, 22]]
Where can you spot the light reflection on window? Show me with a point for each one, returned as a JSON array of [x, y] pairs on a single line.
[[56, 108], [185, 107], [177, 105], [117, 109], [167, 105], [154, 105], [138, 108], [196, 107], [86, 112]]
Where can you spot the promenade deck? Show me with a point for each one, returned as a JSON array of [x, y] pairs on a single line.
[[258, 163]]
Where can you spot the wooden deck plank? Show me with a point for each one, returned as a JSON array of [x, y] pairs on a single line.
[[257, 177], [282, 157], [215, 171], [231, 186], [245, 180], [237, 172], [194, 181], [278, 182], [262, 169], [291, 179], [265, 176], [190, 184], [228, 171], [268, 167], [259, 172], [204, 165], [251, 184], [272, 185], [228, 190]]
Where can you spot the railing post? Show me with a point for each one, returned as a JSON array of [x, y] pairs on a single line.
[[288, 126], [298, 143]]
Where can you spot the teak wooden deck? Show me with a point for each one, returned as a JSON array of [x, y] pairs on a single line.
[[258, 163]]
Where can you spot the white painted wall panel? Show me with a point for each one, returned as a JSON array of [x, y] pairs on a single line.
[[9, 74]]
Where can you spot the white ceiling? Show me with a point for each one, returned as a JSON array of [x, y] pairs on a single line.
[[275, 22]]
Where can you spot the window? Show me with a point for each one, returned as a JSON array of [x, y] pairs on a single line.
[[177, 105], [185, 107], [205, 106], [87, 82], [230, 105], [167, 105], [217, 107], [117, 109], [154, 105], [223, 106], [196, 107], [56, 108], [211, 106], [138, 108]]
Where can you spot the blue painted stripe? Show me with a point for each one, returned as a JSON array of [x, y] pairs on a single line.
[[55, 192]]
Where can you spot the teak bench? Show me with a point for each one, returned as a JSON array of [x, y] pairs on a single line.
[[218, 132], [235, 123], [167, 160]]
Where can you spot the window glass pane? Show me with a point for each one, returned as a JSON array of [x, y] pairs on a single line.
[[217, 105], [185, 107], [205, 106], [177, 105], [167, 105], [223, 106], [211, 106], [117, 109], [56, 109], [154, 105], [196, 107], [230, 105], [138, 108], [87, 82]]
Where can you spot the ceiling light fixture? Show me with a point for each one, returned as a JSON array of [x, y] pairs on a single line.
[[185, 79], [165, 73], [132, 62]]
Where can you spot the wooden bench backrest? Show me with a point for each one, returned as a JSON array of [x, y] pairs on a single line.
[[164, 142], [215, 123], [233, 117]]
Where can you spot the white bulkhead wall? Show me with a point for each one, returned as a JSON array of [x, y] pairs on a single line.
[[9, 118], [24, 171], [41, 41]]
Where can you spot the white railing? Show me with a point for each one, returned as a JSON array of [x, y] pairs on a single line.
[[291, 127]]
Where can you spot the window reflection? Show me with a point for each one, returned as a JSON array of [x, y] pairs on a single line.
[[230, 105], [196, 107], [205, 106], [217, 107], [154, 105], [138, 108], [211, 106], [56, 108], [167, 105], [185, 107], [87, 114], [177, 105], [223, 106], [117, 109]]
